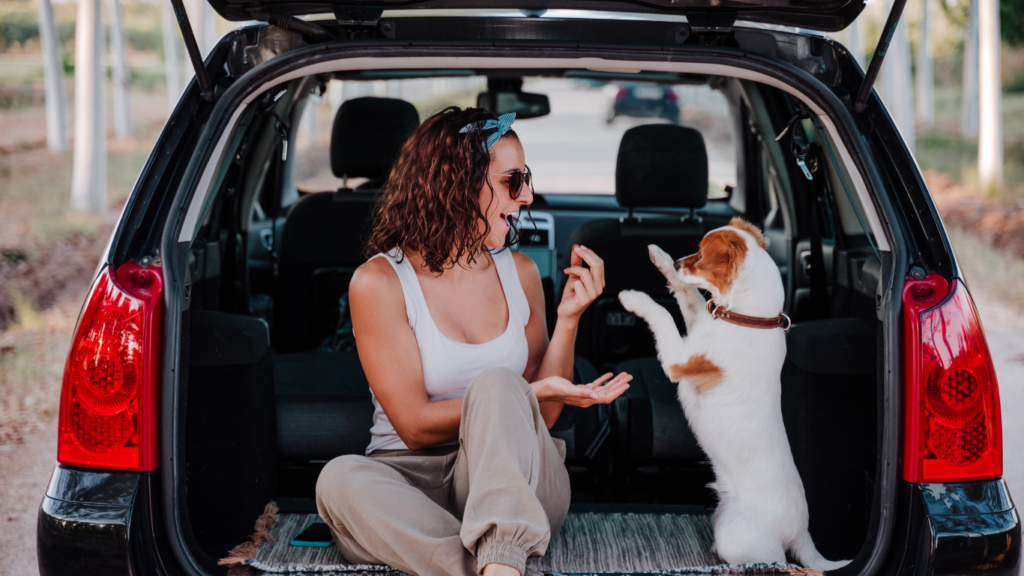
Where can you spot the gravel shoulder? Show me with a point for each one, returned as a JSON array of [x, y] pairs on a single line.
[[25, 471]]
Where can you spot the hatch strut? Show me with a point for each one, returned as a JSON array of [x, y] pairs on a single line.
[[193, 50], [876, 61]]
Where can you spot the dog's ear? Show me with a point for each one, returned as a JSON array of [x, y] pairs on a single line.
[[721, 254], [749, 228]]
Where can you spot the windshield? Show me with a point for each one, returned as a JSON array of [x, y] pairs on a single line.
[[572, 150]]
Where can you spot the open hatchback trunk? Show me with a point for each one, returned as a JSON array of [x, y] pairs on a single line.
[[271, 386], [712, 14]]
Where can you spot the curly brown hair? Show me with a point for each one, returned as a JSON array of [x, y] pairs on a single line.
[[431, 202]]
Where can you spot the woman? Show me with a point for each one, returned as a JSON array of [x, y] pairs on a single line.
[[461, 476]]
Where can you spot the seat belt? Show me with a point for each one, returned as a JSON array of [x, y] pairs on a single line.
[[811, 162]]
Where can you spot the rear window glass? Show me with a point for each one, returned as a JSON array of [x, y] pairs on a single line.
[[570, 151]]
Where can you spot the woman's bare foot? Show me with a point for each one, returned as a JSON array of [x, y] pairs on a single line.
[[495, 569]]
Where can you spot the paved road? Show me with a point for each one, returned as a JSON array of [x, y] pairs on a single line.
[[574, 149], [1004, 330]]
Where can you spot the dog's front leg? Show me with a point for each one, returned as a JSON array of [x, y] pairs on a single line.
[[691, 303], [666, 335]]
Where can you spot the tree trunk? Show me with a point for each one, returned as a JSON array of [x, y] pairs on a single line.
[[204, 25], [925, 72], [53, 75], [89, 169], [119, 73], [172, 54], [969, 104], [990, 137], [855, 42], [896, 80]]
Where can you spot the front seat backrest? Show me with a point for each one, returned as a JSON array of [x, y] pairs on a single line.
[[321, 244], [367, 136], [658, 166]]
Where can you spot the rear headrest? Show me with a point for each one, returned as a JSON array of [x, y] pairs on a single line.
[[368, 134], [661, 165]]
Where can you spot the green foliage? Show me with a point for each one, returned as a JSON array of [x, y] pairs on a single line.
[[1011, 16], [144, 39], [1015, 86], [18, 23]]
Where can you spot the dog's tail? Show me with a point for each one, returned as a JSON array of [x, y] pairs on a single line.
[[809, 557]]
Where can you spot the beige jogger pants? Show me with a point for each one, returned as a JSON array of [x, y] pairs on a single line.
[[496, 497]]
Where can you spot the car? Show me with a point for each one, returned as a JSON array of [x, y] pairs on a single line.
[[645, 101], [212, 368]]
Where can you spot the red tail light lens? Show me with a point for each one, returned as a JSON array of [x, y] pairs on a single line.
[[109, 396], [952, 425], [622, 93], [670, 95]]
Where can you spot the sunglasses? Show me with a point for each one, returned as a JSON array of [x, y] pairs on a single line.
[[516, 180]]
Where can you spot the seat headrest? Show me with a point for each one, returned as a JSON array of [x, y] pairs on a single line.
[[368, 134], [661, 165]]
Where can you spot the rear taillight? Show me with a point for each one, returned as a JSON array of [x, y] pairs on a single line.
[[108, 401], [670, 95], [952, 425], [622, 93]]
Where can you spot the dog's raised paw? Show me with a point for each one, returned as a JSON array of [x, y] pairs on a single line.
[[660, 258], [634, 301]]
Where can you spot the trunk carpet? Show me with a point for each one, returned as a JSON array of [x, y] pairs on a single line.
[[587, 543]]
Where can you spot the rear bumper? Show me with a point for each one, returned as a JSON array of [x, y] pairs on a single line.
[[957, 529], [95, 522], [101, 523]]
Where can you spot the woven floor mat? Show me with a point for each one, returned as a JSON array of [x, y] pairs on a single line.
[[587, 543]]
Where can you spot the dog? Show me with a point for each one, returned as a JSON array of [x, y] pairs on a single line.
[[728, 370]]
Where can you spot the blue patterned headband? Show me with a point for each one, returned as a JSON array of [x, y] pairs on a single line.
[[503, 124]]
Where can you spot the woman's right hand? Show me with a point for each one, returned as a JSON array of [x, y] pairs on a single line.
[[604, 390]]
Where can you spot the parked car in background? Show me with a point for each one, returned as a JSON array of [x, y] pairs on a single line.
[[645, 101]]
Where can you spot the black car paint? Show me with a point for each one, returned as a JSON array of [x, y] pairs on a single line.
[[710, 14], [147, 535]]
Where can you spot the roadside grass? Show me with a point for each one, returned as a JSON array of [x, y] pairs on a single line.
[[32, 355], [982, 265], [946, 152], [35, 190]]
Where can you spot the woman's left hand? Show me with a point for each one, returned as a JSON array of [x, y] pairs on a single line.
[[604, 390], [584, 285]]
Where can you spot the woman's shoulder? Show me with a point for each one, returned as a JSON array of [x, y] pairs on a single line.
[[526, 268], [376, 278]]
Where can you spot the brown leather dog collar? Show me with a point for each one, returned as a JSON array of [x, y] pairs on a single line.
[[780, 321]]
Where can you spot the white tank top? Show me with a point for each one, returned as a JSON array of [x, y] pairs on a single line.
[[449, 366]]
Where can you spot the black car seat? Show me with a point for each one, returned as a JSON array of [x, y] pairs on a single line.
[[658, 457], [658, 166], [830, 408], [231, 458], [321, 243]]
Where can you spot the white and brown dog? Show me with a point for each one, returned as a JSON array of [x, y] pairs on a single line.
[[728, 369]]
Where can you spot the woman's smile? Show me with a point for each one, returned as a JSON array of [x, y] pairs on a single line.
[[500, 209]]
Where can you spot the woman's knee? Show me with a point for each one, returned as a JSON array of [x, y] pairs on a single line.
[[497, 382], [343, 477]]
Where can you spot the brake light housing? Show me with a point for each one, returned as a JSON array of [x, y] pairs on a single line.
[[108, 405], [952, 424]]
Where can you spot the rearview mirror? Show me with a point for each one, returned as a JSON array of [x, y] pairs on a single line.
[[524, 104]]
